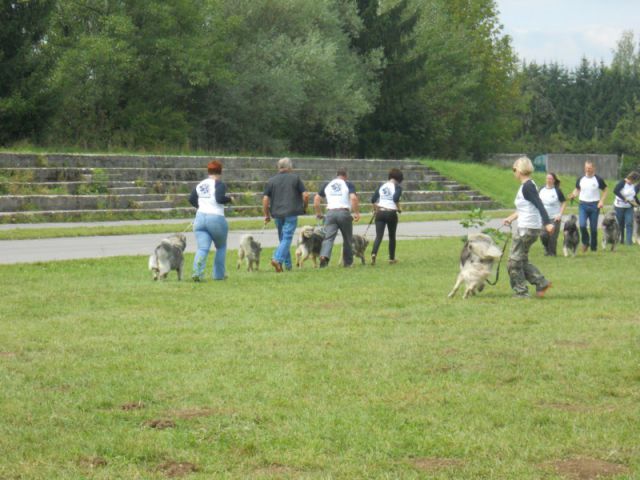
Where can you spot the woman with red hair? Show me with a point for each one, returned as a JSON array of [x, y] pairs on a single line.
[[209, 197]]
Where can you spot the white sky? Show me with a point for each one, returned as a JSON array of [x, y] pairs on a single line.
[[564, 31]]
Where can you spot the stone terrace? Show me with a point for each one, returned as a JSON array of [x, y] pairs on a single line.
[[58, 187]]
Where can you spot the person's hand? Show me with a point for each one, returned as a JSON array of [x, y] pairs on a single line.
[[600, 204], [319, 216], [267, 219], [356, 217], [557, 218], [549, 228], [506, 221], [572, 196]]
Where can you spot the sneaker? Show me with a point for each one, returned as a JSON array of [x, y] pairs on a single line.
[[324, 262], [540, 293], [277, 266], [373, 259], [521, 295], [393, 262]]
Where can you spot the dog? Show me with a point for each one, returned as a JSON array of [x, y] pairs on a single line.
[[571, 236], [610, 231], [308, 245], [167, 256], [359, 247], [476, 261], [250, 250]]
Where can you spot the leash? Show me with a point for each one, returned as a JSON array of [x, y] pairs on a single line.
[[189, 227], [504, 248], [373, 216]]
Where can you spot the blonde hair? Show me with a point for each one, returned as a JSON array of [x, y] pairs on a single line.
[[523, 166]]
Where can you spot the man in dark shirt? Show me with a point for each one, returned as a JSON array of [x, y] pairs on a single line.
[[285, 197]]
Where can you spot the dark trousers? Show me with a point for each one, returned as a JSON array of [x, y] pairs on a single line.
[[589, 211], [388, 219], [550, 242]]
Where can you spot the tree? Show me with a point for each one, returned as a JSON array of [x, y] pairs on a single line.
[[23, 26]]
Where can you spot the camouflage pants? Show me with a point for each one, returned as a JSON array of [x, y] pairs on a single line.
[[520, 270]]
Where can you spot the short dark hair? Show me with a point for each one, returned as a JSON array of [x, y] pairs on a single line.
[[396, 174], [214, 167], [633, 176], [342, 172]]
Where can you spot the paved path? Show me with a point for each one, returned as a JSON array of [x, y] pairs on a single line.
[[27, 251]]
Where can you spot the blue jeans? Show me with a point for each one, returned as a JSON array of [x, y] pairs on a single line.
[[589, 211], [286, 228], [625, 222], [210, 228]]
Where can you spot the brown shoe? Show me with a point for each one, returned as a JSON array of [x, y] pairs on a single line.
[[584, 248], [373, 259], [540, 293], [277, 265], [393, 262]]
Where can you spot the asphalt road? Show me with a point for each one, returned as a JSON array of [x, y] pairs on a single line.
[[46, 250]]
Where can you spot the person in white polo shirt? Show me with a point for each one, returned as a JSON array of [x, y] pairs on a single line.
[[626, 197], [342, 200], [591, 190], [531, 216]]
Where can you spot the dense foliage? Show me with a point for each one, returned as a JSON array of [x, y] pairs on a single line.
[[356, 77]]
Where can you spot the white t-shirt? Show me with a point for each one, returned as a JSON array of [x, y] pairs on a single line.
[[589, 188], [388, 195], [207, 202], [629, 192], [337, 192], [552, 200]]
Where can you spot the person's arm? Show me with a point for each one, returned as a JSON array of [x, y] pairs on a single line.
[[576, 190], [396, 197], [316, 205], [221, 193], [602, 186], [563, 203], [617, 191], [510, 219], [193, 198], [376, 196], [355, 206], [305, 201], [265, 209]]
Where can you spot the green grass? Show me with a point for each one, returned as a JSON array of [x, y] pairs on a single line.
[[369, 372], [495, 182]]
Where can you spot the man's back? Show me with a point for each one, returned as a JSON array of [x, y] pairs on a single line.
[[285, 193]]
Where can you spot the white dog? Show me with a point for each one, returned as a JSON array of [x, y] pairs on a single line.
[[476, 261], [168, 256]]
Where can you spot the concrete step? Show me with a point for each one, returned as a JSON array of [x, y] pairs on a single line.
[[127, 190], [19, 203]]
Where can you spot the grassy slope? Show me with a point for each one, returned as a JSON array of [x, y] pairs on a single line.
[[363, 373]]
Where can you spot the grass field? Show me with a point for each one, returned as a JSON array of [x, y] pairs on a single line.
[[369, 372]]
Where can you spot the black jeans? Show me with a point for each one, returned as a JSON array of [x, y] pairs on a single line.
[[550, 242], [389, 219]]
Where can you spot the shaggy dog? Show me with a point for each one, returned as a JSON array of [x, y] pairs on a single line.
[[476, 261], [309, 243], [249, 249], [359, 246], [571, 236], [610, 230], [168, 256]]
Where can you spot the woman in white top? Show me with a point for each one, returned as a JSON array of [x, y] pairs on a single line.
[[625, 193], [554, 203], [386, 204], [209, 197], [531, 216]]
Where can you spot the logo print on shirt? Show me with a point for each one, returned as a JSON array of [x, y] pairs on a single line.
[[386, 192], [204, 189], [336, 188]]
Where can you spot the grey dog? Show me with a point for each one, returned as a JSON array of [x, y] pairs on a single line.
[[249, 249], [167, 256], [476, 261], [610, 230], [571, 237]]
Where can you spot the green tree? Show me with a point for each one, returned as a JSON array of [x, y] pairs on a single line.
[[23, 26]]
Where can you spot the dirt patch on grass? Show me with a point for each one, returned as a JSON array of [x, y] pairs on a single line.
[[173, 469], [435, 464], [7, 354], [586, 468], [275, 469], [132, 406], [92, 462], [160, 423]]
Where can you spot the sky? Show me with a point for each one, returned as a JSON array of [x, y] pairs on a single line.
[[564, 31]]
